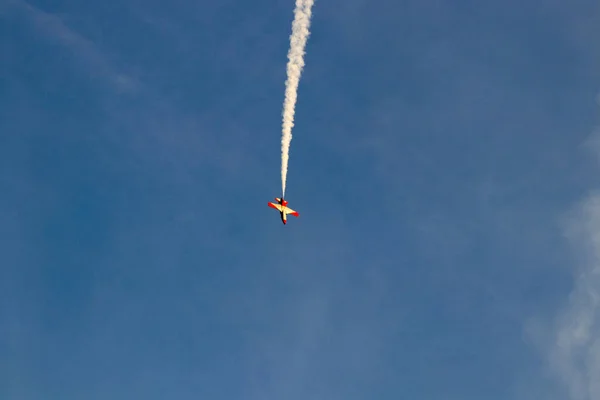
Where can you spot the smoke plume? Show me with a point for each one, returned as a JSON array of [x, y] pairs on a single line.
[[295, 64]]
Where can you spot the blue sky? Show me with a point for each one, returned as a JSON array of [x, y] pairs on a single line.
[[444, 164]]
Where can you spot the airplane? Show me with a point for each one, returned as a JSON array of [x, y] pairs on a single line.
[[283, 209]]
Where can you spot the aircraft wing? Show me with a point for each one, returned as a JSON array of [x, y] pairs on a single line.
[[292, 212], [275, 206]]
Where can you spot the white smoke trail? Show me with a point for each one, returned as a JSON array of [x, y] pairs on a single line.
[[298, 39]]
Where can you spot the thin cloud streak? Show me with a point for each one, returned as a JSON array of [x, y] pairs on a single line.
[[572, 348], [86, 51]]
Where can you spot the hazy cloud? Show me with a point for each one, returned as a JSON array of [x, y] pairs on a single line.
[[54, 28], [572, 346]]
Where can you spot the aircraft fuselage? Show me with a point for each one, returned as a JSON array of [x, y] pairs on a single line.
[[283, 209]]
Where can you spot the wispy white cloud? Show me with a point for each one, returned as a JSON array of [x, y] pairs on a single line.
[[575, 351], [572, 344], [54, 28]]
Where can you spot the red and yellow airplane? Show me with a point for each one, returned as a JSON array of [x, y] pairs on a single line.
[[283, 209]]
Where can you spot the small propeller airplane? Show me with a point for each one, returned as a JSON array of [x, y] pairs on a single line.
[[283, 209]]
